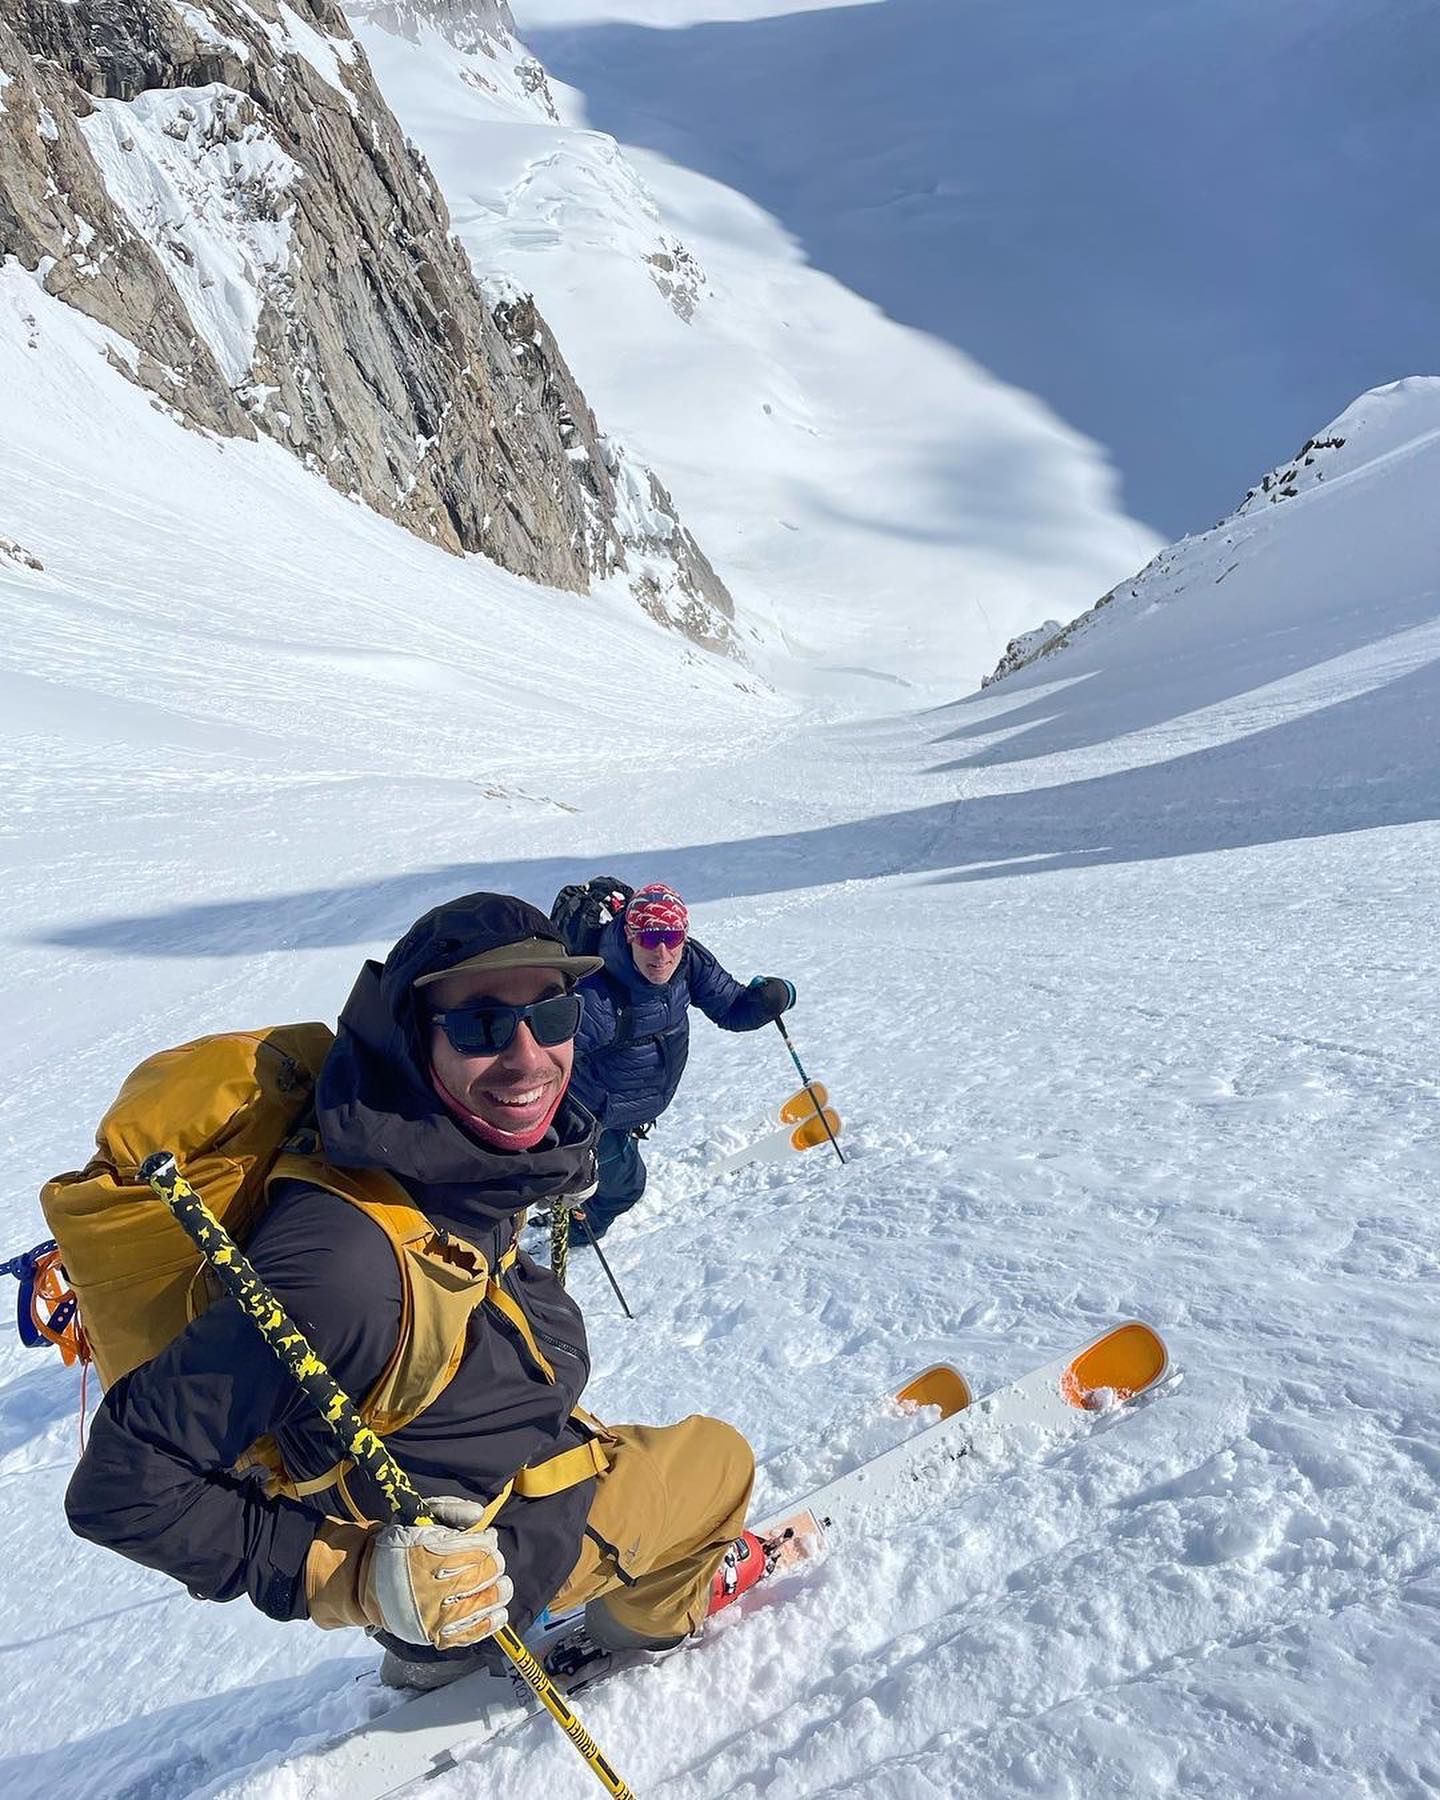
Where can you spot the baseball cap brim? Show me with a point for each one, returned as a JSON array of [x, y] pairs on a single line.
[[526, 953]]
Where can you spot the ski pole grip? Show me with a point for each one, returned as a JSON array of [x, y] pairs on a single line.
[[354, 1437]]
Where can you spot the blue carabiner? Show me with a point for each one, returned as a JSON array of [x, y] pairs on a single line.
[[23, 1269]]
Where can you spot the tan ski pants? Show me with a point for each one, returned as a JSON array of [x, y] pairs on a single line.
[[664, 1512]]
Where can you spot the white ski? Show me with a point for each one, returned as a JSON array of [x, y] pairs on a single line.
[[422, 1737]]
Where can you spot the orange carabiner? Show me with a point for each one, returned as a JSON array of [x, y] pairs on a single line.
[[53, 1309]]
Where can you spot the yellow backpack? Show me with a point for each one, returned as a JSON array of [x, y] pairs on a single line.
[[225, 1106], [230, 1107]]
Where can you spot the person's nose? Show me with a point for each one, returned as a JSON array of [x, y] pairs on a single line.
[[523, 1054]]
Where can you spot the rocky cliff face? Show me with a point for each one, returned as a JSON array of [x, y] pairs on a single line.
[[222, 185]]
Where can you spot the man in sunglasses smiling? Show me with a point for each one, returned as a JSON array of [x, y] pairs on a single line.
[[635, 1036], [391, 1233]]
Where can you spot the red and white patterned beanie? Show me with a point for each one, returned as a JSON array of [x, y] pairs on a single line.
[[655, 907]]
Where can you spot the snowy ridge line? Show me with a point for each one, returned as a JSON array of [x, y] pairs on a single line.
[[1387, 437]]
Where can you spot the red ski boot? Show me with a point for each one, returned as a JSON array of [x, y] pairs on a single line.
[[743, 1564]]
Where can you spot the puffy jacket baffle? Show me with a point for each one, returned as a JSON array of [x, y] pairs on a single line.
[[634, 1035]]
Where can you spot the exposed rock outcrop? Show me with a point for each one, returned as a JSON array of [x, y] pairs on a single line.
[[1305, 468], [1047, 639], [632, 524], [223, 186], [1023, 649], [56, 212]]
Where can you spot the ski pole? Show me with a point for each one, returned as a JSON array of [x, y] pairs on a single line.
[[560, 1242], [352, 1435], [809, 1087], [595, 1246]]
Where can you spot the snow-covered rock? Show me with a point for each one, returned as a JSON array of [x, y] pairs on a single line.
[[1391, 431], [222, 186], [1380, 421]]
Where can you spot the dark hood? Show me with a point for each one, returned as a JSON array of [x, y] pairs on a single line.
[[376, 1107]]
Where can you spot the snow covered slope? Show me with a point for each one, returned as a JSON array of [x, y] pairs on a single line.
[[869, 487], [1190, 229], [1122, 976], [1323, 585]]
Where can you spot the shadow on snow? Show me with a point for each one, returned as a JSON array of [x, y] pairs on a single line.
[[1196, 232], [1340, 768]]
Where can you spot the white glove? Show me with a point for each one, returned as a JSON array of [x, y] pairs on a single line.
[[437, 1584]]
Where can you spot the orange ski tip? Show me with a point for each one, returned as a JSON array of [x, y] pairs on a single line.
[[1120, 1364], [819, 1128], [805, 1104], [939, 1385]]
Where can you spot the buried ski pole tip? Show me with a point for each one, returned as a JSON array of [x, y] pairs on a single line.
[[809, 1086]]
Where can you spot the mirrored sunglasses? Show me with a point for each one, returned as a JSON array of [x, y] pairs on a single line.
[[487, 1029], [657, 938]]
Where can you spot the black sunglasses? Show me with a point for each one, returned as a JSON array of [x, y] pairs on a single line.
[[487, 1030]]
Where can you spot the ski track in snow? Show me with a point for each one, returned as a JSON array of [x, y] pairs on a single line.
[[1129, 1009]]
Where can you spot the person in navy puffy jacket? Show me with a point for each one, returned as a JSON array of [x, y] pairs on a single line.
[[634, 1033]]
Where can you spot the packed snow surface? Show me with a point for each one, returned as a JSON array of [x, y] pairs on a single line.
[[1122, 977]]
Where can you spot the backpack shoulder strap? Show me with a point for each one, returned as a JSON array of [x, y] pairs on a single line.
[[442, 1280], [378, 1195]]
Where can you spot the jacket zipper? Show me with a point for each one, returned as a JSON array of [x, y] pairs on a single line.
[[541, 1337]]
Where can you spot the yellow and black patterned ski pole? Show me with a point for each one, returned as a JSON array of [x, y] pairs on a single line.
[[353, 1436], [560, 1242]]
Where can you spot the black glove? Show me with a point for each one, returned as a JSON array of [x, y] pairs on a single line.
[[777, 993]]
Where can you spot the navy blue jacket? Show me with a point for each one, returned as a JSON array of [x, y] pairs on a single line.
[[634, 1035]]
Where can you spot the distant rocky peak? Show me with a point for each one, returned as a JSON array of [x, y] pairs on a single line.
[[482, 31], [1379, 421]]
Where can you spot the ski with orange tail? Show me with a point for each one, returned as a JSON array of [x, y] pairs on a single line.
[[1059, 1399], [426, 1736]]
